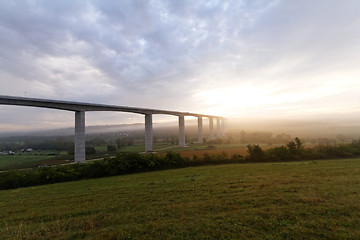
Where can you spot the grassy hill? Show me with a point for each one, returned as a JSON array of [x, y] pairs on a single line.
[[297, 200]]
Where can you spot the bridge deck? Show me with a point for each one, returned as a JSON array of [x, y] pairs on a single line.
[[81, 106]]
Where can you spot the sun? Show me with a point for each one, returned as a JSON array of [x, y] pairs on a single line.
[[235, 98]]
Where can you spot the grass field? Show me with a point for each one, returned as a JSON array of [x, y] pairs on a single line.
[[28, 160], [193, 148], [297, 200], [141, 148], [25, 160], [212, 149]]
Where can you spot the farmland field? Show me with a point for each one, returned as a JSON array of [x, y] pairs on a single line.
[[293, 200], [201, 149], [28, 160], [25, 160], [141, 148]]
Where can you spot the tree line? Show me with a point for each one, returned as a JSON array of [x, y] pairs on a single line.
[[125, 163], [294, 150]]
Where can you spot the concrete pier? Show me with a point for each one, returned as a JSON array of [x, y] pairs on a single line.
[[218, 130], [148, 133], [211, 128], [223, 126], [200, 130], [220, 122], [181, 131], [79, 138]]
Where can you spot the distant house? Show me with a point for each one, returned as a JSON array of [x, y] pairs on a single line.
[[11, 153], [29, 150]]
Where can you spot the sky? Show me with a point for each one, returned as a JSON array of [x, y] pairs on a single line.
[[257, 59]]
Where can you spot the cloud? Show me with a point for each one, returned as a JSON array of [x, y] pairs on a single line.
[[167, 54]]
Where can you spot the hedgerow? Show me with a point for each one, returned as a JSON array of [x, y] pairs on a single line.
[[126, 163], [123, 163], [295, 150]]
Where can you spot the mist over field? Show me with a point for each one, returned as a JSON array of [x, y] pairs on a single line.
[[300, 128], [341, 130]]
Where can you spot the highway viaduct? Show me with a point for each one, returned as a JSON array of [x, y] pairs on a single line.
[[80, 108]]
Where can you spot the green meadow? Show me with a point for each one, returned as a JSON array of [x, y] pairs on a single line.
[[292, 200], [25, 160]]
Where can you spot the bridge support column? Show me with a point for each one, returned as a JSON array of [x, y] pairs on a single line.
[[200, 130], [223, 126], [218, 129], [211, 128], [181, 131], [148, 133], [79, 138]]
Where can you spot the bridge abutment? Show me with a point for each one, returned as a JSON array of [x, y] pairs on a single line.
[[79, 139]]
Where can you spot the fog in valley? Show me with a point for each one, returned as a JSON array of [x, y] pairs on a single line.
[[244, 130]]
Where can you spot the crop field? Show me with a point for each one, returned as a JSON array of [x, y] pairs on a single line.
[[25, 160], [213, 149], [292, 200], [191, 148], [34, 159], [141, 147]]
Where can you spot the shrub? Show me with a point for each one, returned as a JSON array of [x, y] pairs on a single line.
[[255, 153], [279, 154], [89, 150], [111, 148]]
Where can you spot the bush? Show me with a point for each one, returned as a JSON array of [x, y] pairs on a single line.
[[256, 154], [279, 154], [111, 148], [89, 150], [123, 163]]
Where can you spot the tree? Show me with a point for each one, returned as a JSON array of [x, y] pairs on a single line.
[[111, 148], [90, 150], [255, 152], [295, 147], [124, 141]]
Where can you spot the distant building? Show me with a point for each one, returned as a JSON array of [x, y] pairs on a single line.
[[29, 150]]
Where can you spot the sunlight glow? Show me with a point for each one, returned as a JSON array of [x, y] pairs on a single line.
[[273, 97], [235, 97]]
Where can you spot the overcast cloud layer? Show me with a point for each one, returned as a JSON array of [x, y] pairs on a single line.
[[238, 58]]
